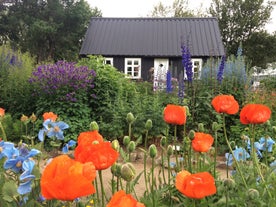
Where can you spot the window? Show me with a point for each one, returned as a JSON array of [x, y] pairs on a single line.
[[197, 66], [108, 61], [133, 67]]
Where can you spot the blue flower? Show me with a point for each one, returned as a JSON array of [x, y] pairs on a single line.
[[66, 147], [26, 177], [17, 156], [187, 63], [52, 129], [169, 82], [5, 149], [240, 155], [266, 143]]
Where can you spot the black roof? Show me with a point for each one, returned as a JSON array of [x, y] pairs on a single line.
[[152, 37]]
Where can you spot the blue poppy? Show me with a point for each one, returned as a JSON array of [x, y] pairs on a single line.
[[17, 156], [66, 147], [26, 177], [266, 143], [5, 149], [52, 129], [240, 155]]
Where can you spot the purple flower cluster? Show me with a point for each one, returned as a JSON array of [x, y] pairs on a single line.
[[181, 92], [169, 87], [187, 63], [64, 79], [221, 69]]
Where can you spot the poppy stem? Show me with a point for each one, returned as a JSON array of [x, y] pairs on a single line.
[[215, 153], [175, 146], [3, 132], [102, 188], [230, 148]]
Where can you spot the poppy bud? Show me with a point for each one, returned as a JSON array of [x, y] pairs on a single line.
[[152, 151], [130, 118], [253, 194], [128, 171], [131, 146], [163, 141], [115, 145], [148, 124], [187, 111], [274, 129], [169, 150], [126, 140], [215, 126], [94, 126], [229, 183], [191, 134], [116, 169], [201, 127]]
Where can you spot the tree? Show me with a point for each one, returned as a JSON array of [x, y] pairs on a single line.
[[239, 19], [179, 8], [260, 48], [51, 29]]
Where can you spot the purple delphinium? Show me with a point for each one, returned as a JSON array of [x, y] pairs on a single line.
[[169, 82], [181, 92], [64, 79], [221, 69], [187, 63]]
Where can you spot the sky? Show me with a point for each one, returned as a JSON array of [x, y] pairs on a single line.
[[142, 8]]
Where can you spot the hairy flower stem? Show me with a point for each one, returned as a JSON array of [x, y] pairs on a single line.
[[102, 188], [153, 182], [255, 160], [3, 132], [162, 164], [215, 153], [230, 148], [175, 146], [145, 170]]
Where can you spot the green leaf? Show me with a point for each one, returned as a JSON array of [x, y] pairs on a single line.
[[9, 191]]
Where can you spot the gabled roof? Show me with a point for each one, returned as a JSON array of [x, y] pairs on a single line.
[[152, 37]]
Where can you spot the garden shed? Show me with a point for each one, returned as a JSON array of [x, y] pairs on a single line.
[[143, 48]]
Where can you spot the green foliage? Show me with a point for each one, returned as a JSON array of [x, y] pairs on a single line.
[[238, 20], [15, 91]]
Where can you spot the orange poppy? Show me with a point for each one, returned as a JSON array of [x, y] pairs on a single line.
[[50, 115], [88, 137], [100, 153], [196, 186], [202, 142], [255, 114], [225, 104], [2, 112], [66, 179], [175, 114], [121, 199]]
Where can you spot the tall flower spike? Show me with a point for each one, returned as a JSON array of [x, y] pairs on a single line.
[[221, 69], [187, 63]]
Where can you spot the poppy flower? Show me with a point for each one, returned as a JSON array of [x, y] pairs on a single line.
[[100, 153], [175, 114], [122, 199], [225, 104], [88, 137], [67, 179], [255, 114], [2, 112], [196, 186], [202, 142], [49, 115]]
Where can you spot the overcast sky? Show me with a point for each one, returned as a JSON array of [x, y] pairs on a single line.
[[142, 8]]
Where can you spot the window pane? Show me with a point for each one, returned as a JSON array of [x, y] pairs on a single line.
[[129, 62]]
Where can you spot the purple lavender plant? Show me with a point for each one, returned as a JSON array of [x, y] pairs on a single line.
[[187, 63], [169, 87], [221, 69], [63, 79]]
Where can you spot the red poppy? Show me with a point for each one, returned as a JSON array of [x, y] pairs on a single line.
[[175, 114], [197, 186], [88, 137], [121, 199], [100, 153], [202, 142], [50, 115], [66, 179], [2, 112], [255, 114], [225, 104]]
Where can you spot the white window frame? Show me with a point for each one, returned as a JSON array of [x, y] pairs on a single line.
[[110, 59], [194, 61], [131, 65]]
